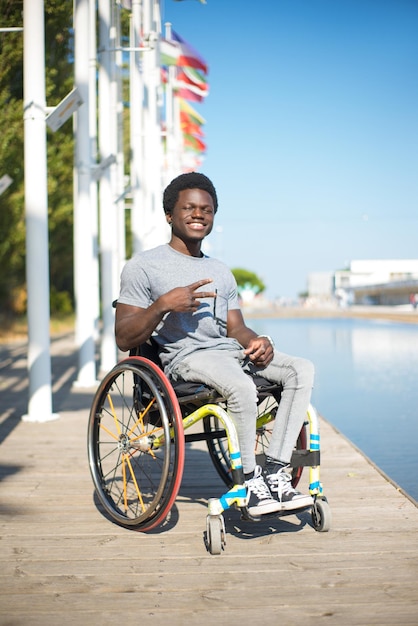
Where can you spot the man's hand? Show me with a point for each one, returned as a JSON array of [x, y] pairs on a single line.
[[186, 299], [134, 325], [259, 351]]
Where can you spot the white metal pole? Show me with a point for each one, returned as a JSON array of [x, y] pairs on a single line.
[[36, 210], [155, 229], [94, 199], [83, 235], [136, 124], [117, 99], [172, 166], [108, 218]]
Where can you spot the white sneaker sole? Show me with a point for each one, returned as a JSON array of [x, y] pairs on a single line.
[[264, 509], [299, 503]]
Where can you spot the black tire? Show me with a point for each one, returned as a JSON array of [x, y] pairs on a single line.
[[215, 534], [136, 444], [321, 515]]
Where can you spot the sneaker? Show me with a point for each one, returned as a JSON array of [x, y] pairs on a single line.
[[288, 497], [260, 500]]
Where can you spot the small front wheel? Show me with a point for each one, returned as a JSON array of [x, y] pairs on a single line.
[[321, 515], [215, 533]]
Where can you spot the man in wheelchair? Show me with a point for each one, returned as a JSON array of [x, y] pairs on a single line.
[[188, 302]]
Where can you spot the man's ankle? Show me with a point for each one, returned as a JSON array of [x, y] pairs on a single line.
[[272, 465]]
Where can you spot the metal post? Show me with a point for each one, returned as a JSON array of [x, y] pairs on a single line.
[[117, 101], [172, 165], [83, 215], [136, 123], [36, 210], [108, 217], [155, 229], [94, 200]]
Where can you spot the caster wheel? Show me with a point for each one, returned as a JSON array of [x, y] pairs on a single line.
[[215, 533], [321, 515]]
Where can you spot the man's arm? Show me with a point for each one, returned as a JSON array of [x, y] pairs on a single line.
[[135, 325], [258, 349]]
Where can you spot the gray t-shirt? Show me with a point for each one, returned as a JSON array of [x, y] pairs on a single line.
[[150, 274]]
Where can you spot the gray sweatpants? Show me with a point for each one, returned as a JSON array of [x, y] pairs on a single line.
[[224, 371]]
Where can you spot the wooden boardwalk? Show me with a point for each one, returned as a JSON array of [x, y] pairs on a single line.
[[63, 563]]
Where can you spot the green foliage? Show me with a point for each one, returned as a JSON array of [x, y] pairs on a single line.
[[59, 82], [248, 280], [60, 302]]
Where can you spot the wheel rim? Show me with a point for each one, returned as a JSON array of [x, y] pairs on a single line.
[[136, 444]]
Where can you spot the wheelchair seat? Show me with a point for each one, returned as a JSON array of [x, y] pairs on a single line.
[[189, 392]]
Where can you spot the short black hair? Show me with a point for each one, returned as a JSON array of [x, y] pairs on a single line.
[[191, 180]]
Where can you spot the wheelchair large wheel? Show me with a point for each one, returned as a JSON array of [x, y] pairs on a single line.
[[217, 441], [136, 444]]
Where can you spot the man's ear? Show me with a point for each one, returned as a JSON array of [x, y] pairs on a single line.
[[168, 218]]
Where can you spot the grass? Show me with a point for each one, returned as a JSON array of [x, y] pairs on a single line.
[[16, 328]]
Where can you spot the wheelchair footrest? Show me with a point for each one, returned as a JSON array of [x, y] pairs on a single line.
[[305, 458]]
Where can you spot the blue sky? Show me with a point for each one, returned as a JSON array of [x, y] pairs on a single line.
[[312, 131]]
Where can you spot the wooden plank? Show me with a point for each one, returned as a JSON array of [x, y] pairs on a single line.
[[62, 561]]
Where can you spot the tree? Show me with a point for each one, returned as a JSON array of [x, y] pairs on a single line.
[[59, 81], [247, 280]]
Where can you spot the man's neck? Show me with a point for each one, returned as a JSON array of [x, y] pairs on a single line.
[[188, 248]]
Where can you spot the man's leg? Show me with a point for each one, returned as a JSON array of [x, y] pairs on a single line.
[[296, 375], [222, 370]]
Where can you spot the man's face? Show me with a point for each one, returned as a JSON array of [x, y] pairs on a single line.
[[193, 215]]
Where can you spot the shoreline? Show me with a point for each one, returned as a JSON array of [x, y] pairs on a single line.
[[404, 314], [393, 314]]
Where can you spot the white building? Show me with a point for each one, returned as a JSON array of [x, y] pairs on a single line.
[[321, 285], [377, 281]]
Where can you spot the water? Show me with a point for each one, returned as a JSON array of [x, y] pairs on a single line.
[[366, 384]]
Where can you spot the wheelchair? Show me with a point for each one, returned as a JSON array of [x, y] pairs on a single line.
[[137, 433]]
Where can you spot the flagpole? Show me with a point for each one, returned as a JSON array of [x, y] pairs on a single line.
[[108, 220], [36, 213], [118, 138], [155, 229], [171, 119], [94, 200], [136, 123], [83, 222]]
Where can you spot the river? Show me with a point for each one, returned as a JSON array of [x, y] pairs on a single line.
[[366, 384]]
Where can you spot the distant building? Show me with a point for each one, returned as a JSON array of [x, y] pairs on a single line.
[[321, 285], [387, 282]]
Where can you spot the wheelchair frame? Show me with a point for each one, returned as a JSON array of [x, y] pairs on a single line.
[[136, 448]]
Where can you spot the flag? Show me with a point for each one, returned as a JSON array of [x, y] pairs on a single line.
[[188, 56], [188, 127], [185, 107], [169, 52], [196, 144], [189, 92], [190, 76]]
